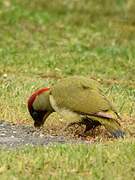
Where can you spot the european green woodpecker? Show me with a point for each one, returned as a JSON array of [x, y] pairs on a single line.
[[78, 98]]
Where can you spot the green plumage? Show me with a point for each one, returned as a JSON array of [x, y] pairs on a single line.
[[84, 96], [78, 98], [81, 95]]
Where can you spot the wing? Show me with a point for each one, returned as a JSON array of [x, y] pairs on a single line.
[[80, 94]]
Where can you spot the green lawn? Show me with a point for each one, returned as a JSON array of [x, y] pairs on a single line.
[[41, 41], [99, 161]]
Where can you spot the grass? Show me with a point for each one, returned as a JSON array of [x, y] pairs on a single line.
[[98, 161], [41, 41]]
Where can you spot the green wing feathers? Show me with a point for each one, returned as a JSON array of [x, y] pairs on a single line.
[[80, 94]]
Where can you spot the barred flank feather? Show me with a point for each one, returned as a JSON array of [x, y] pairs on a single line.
[[110, 121]]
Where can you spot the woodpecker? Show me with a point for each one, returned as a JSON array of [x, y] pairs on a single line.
[[79, 100]]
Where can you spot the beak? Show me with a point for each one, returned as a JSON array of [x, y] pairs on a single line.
[[38, 124]]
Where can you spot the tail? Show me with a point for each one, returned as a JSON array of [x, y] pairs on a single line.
[[110, 120]]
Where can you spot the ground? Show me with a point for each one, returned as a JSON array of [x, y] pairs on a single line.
[[12, 136], [43, 41]]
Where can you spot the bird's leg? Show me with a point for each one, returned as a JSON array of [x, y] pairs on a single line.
[[90, 124]]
